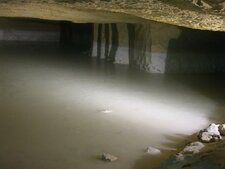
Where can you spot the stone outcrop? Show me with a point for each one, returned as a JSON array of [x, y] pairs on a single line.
[[198, 14], [210, 157]]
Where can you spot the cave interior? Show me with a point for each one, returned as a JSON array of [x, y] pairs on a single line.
[[70, 91]]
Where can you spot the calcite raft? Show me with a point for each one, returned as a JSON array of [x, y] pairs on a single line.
[[198, 14]]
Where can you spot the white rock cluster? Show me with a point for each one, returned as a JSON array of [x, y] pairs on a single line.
[[212, 133]]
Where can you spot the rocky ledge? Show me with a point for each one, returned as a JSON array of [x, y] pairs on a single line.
[[198, 14], [207, 153]]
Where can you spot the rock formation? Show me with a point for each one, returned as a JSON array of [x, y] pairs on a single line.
[[143, 46], [198, 14], [134, 32]]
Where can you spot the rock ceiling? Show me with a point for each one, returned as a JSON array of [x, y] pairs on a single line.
[[197, 14]]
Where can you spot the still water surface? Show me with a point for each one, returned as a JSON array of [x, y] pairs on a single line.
[[51, 111]]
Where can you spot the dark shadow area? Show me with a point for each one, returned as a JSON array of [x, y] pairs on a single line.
[[44, 52], [211, 86], [71, 38], [77, 37], [196, 51], [197, 60]]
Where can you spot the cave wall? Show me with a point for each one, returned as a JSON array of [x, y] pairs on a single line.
[[70, 35], [160, 48], [196, 51], [152, 47], [143, 46], [28, 30], [111, 42]]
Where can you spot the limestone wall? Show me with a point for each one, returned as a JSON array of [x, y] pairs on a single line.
[[111, 42], [143, 46]]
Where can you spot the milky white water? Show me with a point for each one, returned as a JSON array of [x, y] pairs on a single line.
[[52, 112]]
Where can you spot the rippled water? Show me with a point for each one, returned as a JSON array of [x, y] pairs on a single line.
[[51, 111]]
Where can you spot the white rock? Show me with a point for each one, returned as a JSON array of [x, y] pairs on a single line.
[[193, 148], [210, 134], [222, 129], [153, 151], [107, 111], [109, 157]]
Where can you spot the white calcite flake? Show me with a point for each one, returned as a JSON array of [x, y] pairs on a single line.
[[153, 151], [106, 111], [109, 157]]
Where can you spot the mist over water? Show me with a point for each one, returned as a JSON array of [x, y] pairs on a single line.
[[52, 110]]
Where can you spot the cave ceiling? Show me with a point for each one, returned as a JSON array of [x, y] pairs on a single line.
[[197, 14]]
